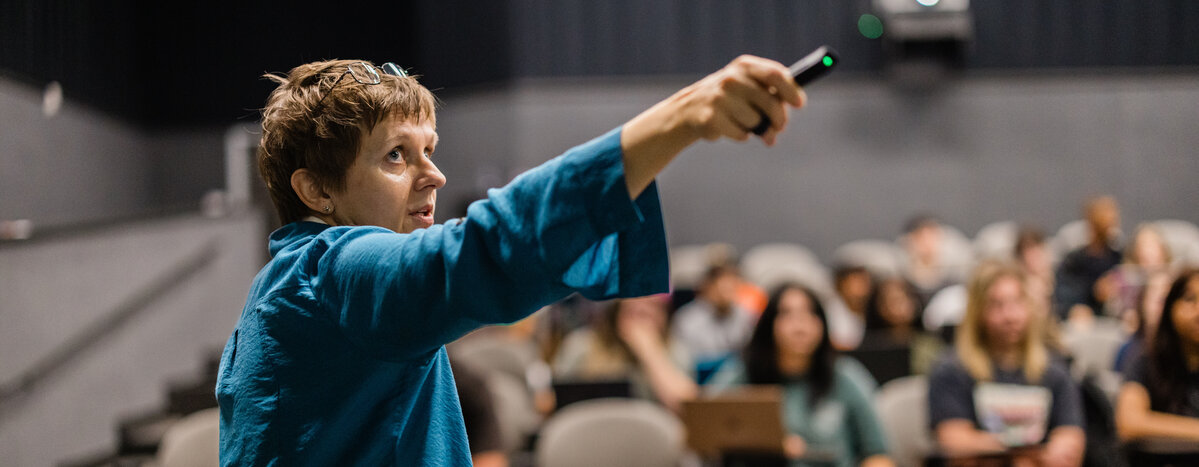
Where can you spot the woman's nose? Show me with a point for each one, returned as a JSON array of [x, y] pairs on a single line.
[[431, 177]]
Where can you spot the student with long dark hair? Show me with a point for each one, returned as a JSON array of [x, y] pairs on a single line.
[[1161, 396], [893, 317], [827, 408]]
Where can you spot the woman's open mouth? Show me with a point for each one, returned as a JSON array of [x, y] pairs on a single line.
[[424, 216]]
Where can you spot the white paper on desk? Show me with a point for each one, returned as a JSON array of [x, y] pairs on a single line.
[[1016, 413]]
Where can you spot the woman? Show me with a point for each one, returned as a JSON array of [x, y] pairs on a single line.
[[1032, 253], [1146, 255], [893, 317], [827, 405], [630, 342], [1144, 321], [1161, 396], [338, 357], [999, 351]]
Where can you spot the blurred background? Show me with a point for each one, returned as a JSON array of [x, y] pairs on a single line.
[[132, 219]]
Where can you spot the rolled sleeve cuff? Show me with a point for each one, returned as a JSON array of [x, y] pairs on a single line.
[[633, 260]]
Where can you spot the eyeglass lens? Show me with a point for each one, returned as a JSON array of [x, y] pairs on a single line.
[[394, 70], [364, 73]]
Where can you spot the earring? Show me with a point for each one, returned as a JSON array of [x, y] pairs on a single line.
[[327, 209]]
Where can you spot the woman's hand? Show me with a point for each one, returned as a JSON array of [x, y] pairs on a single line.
[[732, 101], [1065, 447], [794, 446], [727, 103]]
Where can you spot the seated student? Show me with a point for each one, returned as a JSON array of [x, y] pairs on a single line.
[[924, 264], [999, 358], [847, 309], [1161, 397], [1077, 292], [827, 405], [893, 317], [1143, 321], [1032, 254], [630, 342], [1146, 255], [713, 326]]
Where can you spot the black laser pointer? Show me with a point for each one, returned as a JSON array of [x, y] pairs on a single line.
[[807, 69]]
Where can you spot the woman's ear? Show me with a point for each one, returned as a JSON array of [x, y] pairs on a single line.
[[310, 191]]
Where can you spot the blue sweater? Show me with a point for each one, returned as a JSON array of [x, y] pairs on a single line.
[[338, 357]]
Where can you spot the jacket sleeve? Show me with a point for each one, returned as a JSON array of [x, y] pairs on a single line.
[[565, 226]]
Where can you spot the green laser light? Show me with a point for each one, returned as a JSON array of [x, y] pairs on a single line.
[[828, 61]]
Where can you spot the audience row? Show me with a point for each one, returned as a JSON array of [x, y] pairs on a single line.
[[993, 343]]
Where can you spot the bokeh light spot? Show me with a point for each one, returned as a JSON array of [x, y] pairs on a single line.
[[870, 26]]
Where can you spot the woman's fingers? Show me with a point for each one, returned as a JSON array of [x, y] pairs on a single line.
[[740, 97], [755, 88], [772, 75], [764, 103], [724, 125]]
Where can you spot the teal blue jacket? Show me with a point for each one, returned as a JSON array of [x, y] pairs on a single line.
[[338, 357]]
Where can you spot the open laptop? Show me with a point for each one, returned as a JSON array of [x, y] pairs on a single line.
[[884, 363], [746, 419], [569, 392]]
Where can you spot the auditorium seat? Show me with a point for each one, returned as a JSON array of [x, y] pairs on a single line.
[[192, 442], [607, 432], [518, 419], [880, 257], [902, 407], [689, 263], [496, 353], [770, 265], [996, 240], [1093, 346], [1183, 239]]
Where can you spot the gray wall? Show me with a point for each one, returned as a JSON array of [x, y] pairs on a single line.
[[53, 290], [82, 166], [864, 156]]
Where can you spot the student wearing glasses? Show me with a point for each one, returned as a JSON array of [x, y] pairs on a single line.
[[338, 357]]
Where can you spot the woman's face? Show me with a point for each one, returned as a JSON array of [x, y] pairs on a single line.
[[392, 182], [1149, 250], [1035, 259], [797, 329], [1005, 313], [897, 308], [1185, 314]]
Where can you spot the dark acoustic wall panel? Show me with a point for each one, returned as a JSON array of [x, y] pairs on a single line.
[[185, 64]]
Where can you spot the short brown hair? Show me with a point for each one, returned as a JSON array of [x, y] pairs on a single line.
[[300, 131]]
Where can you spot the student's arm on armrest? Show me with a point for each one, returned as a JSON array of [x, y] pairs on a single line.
[[1065, 447], [1135, 419], [959, 437], [877, 461]]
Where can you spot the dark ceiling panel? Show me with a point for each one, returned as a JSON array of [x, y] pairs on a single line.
[[181, 63]]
